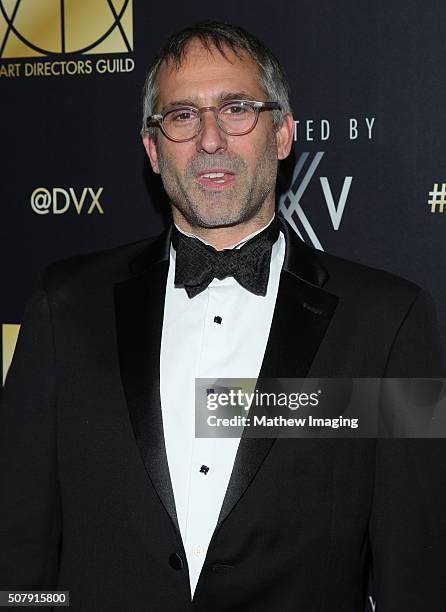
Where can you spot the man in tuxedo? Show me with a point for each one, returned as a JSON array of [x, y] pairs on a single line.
[[105, 490]]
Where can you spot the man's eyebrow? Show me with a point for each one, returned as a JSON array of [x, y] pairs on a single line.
[[235, 95], [223, 97], [185, 102]]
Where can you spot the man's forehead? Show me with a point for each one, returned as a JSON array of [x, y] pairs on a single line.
[[205, 69], [197, 52]]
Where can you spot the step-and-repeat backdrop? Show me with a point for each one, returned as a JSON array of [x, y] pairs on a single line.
[[366, 179]]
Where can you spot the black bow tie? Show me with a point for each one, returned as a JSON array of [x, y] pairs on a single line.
[[197, 264]]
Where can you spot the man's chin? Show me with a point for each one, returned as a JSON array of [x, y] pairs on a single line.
[[215, 213], [214, 219], [215, 223]]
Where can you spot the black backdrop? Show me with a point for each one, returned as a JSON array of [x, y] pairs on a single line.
[[349, 63]]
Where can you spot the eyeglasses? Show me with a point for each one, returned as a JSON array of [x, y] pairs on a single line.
[[235, 118]]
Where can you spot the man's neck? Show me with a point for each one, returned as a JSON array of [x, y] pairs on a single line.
[[225, 237]]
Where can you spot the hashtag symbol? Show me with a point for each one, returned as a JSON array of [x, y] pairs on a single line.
[[438, 198]]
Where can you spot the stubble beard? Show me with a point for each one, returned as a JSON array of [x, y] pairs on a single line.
[[237, 204]]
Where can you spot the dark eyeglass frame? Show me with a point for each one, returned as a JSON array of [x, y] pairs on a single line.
[[157, 120]]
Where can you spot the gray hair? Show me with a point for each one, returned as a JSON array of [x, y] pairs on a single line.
[[219, 35]]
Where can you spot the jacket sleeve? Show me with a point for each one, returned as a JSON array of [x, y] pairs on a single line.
[[408, 524], [30, 517]]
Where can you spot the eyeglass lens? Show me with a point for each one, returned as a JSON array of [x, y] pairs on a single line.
[[234, 118]]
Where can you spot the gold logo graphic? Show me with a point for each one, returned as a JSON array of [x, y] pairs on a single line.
[[36, 28], [10, 334]]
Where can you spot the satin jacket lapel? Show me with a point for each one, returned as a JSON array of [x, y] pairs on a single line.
[[139, 303], [302, 314]]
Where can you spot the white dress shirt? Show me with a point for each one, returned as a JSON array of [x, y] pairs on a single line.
[[194, 346]]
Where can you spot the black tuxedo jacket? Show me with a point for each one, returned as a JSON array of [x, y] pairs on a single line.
[[86, 499]]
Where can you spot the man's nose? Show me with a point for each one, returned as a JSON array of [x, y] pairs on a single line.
[[211, 138]]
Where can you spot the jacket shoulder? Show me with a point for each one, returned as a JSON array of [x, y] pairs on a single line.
[[93, 268], [349, 277]]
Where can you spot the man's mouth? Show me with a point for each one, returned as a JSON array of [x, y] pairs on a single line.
[[216, 178]]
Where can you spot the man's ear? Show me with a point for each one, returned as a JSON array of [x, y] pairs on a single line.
[[284, 136], [150, 147]]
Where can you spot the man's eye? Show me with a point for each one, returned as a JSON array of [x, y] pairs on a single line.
[[183, 115], [235, 109]]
